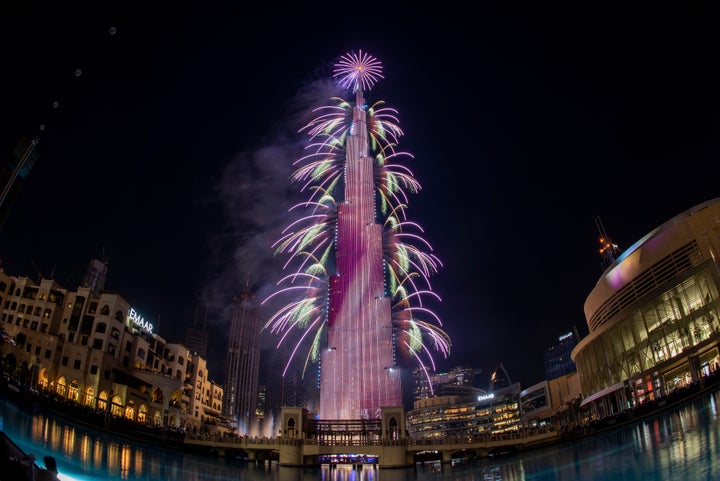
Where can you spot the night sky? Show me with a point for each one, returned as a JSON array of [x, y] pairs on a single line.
[[170, 154]]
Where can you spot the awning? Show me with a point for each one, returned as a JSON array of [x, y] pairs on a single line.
[[604, 392]]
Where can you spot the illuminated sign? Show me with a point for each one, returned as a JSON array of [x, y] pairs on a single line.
[[565, 336], [485, 397], [138, 320]]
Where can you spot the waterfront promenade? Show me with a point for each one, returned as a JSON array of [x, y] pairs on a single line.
[[388, 453], [308, 445]]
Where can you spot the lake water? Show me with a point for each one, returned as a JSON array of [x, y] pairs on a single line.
[[680, 444]]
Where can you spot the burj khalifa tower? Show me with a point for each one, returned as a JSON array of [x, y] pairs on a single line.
[[364, 270]]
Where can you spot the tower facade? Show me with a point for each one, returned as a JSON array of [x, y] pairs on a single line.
[[362, 268], [242, 367], [357, 376]]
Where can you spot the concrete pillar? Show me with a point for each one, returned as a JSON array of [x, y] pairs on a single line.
[[290, 454], [446, 457]]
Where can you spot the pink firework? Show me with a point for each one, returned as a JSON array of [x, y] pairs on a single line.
[[359, 71]]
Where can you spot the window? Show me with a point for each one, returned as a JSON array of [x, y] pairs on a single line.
[[37, 350], [97, 344], [93, 369], [65, 361], [48, 353], [126, 361], [128, 346], [101, 327], [105, 311], [34, 325], [76, 364]]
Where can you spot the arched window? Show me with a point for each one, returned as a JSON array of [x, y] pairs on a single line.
[[157, 396], [102, 401], [105, 311], [119, 316], [291, 432], [130, 410], [117, 406], [101, 327], [73, 390], [393, 425], [89, 396]]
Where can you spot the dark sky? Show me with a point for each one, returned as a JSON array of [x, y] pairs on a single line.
[[170, 154]]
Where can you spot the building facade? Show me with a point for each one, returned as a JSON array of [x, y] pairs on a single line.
[[466, 416], [93, 348], [653, 316], [460, 380]]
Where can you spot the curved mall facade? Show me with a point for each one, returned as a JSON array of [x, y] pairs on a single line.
[[653, 316]]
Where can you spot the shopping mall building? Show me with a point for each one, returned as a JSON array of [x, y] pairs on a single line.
[[653, 316]]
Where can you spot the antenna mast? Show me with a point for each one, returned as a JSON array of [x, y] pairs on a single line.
[[609, 251]]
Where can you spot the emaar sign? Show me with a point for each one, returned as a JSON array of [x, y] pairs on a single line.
[[139, 321]]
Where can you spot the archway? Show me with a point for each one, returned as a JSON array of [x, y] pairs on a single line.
[[89, 396]]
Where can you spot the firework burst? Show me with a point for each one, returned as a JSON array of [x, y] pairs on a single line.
[[358, 71]]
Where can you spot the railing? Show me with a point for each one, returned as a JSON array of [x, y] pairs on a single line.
[[519, 437]]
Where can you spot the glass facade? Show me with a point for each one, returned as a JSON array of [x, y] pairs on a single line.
[[658, 339], [466, 417]]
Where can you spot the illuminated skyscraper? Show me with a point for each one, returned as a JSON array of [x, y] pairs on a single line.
[[363, 268], [242, 368]]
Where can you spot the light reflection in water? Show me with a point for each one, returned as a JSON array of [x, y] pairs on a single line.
[[682, 444]]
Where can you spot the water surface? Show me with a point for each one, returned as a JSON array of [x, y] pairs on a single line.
[[681, 444]]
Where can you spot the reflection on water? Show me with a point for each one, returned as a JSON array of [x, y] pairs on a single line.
[[682, 444]]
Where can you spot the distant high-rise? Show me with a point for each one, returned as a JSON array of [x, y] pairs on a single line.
[[363, 268], [242, 367], [196, 337], [95, 276], [557, 358]]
